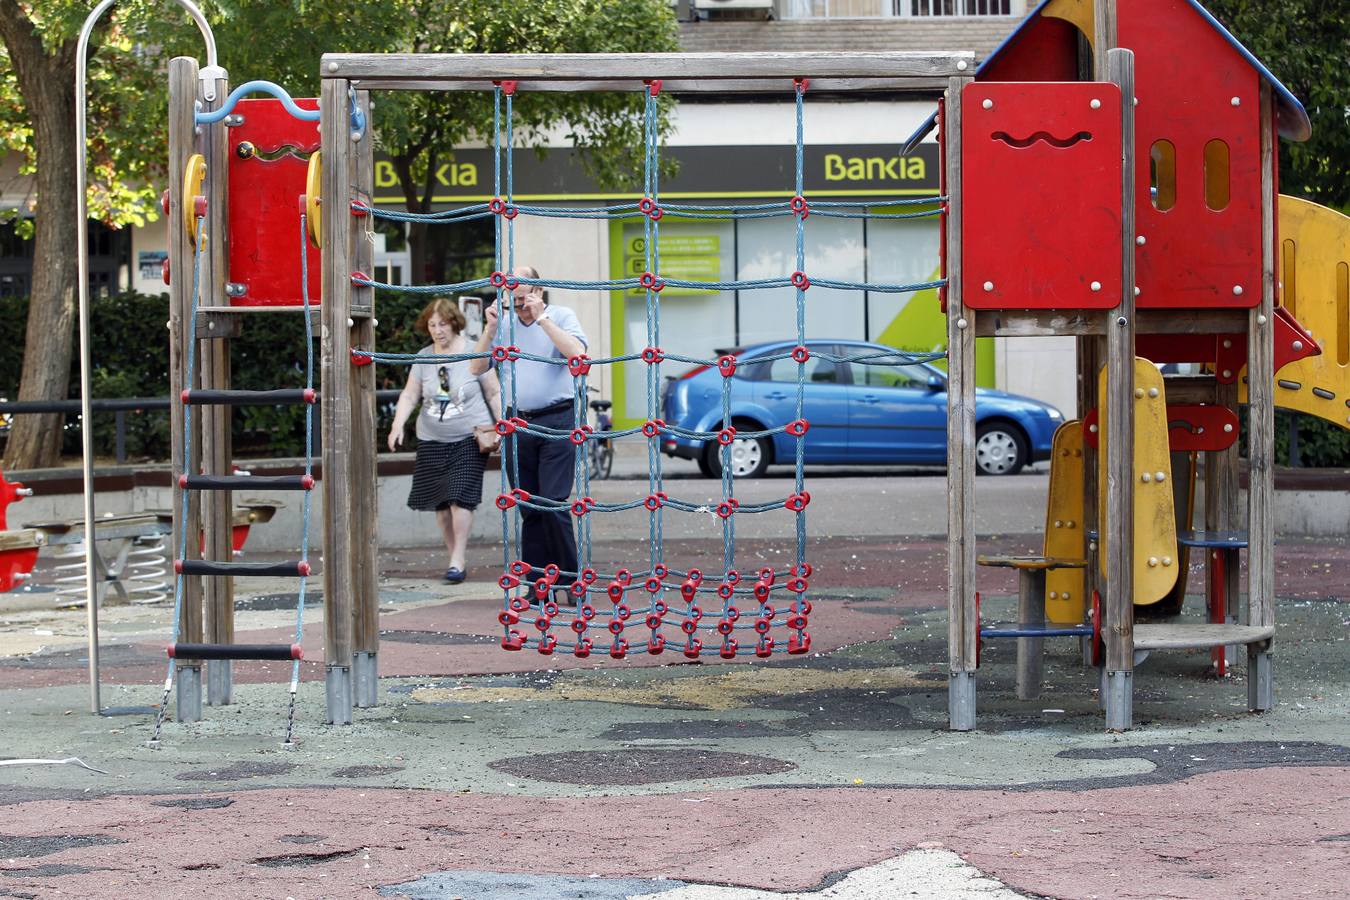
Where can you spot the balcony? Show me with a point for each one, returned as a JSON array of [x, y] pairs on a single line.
[[906, 9]]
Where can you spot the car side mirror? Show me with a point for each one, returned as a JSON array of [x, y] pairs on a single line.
[[935, 383]]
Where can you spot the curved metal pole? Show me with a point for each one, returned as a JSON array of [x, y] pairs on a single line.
[[82, 251]]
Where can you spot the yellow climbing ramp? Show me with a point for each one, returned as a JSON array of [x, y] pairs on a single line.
[[1156, 561], [1064, 528], [1314, 266]]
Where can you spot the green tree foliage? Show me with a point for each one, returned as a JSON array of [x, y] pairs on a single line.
[[1306, 43]]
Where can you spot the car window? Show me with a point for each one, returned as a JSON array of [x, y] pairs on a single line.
[[818, 371], [876, 373]]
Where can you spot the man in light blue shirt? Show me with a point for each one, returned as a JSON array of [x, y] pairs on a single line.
[[542, 395]]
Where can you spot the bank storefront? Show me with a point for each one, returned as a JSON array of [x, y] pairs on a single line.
[[733, 153]]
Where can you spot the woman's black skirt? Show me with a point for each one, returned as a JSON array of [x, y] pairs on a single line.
[[446, 474]]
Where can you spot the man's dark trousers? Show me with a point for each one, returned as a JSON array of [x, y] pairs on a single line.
[[546, 468]]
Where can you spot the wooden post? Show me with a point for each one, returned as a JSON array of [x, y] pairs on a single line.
[[1089, 363], [1030, 614], [214, 421], [364, 462], [1105, 23], [182, 252], [1261, 432], [338, 533], [961, 617], [1117, 527]]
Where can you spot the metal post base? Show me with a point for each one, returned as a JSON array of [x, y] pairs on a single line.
[[1118, 693], [961, 701], [1260, 680], [338, 682], [188, 705], [219, 682], [365, 670]]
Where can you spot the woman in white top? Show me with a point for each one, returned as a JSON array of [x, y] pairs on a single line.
[[448, 474]]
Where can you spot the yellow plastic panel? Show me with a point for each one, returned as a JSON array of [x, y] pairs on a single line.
[[1064, 530], [1155, 527], [1314, 261]]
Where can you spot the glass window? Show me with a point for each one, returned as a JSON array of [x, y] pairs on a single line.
[[890, 376], [818, 371]]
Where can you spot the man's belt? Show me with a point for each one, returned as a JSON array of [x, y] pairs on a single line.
[[560, 406]]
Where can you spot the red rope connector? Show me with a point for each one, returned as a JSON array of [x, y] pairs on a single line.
[[652, 584], [359, 209], [619, 648], [763, 624], [797, 502], [695, 576], [579, 625], [514, 641], [655, 501], [615, 591], [551, 573], [732, 575], [508, 617], [541, 587], [653, 428], [543, 623], [616, 626], [766, 574], [505, 502], [726, 365], [520, 567], [796, 585], [497, 279], [764, 649], [506, 354], [577, 590], [651, 282], [660, 570], [579, 364], [803, 569], [361, 359], [797, 427], [796, 621], [582, 506], [726, 435], [798, 645], [693, 648], [726, 590], [725, 627], [508, 87], [623, 576], [578, 436], [727, 508], [728, 650], [588, 576], [799, 280], [799, 205], [652, 355], [164, 201], [653, 86], [653, 621], [801, 84], [761, 591], [360, 279], [646, 205], [547, 644], [800, 353], [656, 645], [582, 648]]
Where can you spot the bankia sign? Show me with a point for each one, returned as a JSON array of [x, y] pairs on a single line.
[[732, 172]]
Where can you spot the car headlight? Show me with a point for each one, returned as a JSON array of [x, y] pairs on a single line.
[[1055, 415]]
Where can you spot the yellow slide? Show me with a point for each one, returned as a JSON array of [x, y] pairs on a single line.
[[1314, 266]]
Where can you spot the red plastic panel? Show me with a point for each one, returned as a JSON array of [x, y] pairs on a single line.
[[1040, 194], [14, 564], [1226, 352], [1292, 340], [1046, 49], [1194, 88], [1190, 426], [9, 493], [264, 216]]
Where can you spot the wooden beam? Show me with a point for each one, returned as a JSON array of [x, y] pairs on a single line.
[[961, 327], [1117, 527], [922, 87], [336, 418], [364, 515], [1045, 323], [1105, 35], [214, 421], [627, 71], [182, 252]]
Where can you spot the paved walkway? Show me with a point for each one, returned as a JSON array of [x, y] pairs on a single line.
[[490, 775]]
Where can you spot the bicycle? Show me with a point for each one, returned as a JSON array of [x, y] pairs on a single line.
[[600, 453]]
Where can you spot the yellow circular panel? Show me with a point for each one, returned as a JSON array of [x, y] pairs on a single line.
[[194, 176], [313, 184]]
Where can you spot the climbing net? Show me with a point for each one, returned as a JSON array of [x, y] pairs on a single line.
[[655, 605]]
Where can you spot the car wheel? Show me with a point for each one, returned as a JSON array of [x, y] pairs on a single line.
[[1000, 449], [750, 457], [705, 466]]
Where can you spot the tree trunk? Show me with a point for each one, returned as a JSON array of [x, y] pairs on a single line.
[[48, 86]]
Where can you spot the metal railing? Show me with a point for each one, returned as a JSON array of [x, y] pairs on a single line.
[[119, 407], [887, 9]]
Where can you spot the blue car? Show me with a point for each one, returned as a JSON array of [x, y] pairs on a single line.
[[859, 414]]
